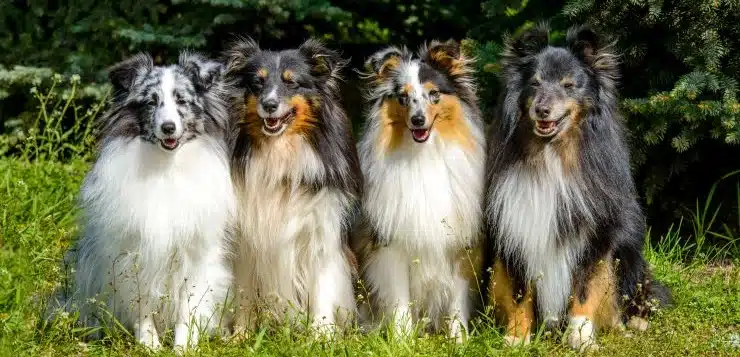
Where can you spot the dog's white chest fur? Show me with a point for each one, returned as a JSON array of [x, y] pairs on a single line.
[[155, 225], [527, 202], [289, 233], [424, 201]]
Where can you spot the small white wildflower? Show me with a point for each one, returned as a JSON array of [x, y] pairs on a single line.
[[34, 90], [57, 77], [735, 340], [75, 78]]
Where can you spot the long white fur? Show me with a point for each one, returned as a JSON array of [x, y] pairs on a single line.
[[154, 245], [527, 202], [290, 256], [426, 200]]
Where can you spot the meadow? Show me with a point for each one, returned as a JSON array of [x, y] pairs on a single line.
[[39, 182]]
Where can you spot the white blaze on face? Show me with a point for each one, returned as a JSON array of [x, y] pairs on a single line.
[[167, 112], [417, 98]]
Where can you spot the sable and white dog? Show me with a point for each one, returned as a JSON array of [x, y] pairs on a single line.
[[422, 155], [157, 203], [297, 179]]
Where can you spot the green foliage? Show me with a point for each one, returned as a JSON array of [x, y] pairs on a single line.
[[61, 123]]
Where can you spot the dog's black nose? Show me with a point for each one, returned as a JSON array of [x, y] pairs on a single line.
[[542, 111], [270, 105], [417, 119], [168, 127]]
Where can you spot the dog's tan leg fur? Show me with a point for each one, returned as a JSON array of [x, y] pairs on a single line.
[[518, 316], [599, 310]]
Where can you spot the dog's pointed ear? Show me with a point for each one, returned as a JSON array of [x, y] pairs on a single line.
[[584, 42], [203, 71], [383, 61], [446, 57], [123, 74], [239, 53], [326, 64], [530, 42]]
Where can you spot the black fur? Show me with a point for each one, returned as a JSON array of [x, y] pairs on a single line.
[[618, 225]]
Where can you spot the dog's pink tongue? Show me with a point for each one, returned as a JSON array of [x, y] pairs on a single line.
[[272, 122], [420, 134], [170, 142], [545, 125]]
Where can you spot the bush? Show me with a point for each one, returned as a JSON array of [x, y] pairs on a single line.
[[680, 69]]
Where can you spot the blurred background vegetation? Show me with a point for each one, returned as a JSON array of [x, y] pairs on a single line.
[[680, 65]]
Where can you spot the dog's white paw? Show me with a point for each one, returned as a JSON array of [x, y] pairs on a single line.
[[458, 331], [638, 323], [582, 334], [512, 341]]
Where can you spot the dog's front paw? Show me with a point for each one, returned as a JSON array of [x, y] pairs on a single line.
[[638, 323], [582, 334], [458, 331]]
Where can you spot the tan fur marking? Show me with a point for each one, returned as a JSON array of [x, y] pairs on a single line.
[[449, 122], [390, 64], [454, 66], [262, 73], [251, 122], [393, 116], [408, 89], [568, 142], [304, 120], [600, 305], [518, 317], [288, 75]]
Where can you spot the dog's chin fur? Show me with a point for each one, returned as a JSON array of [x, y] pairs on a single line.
[[418, 241], [154, 244], [291, 237]]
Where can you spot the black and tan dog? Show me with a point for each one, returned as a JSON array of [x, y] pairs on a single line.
[[563, 219], [297, 181]]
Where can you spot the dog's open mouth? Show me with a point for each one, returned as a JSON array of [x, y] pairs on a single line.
[[275, 126], [547, 128], [169, 143], [420, 135]]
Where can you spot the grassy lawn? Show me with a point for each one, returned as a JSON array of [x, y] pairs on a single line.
[[37, 224]]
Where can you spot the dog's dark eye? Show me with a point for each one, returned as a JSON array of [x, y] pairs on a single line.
[[181, 101], [291, 84], [434, 95], [153, 100], [403, 98], [534, 83], [257, 82], [568, 85]]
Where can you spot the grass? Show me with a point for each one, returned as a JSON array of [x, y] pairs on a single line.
[[37, 224], [38, 192]]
